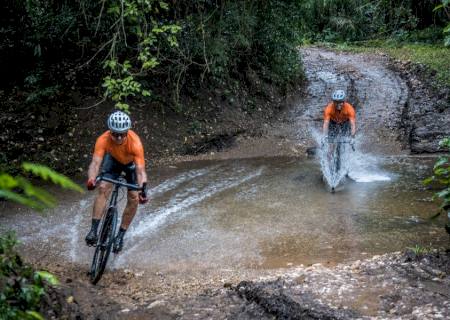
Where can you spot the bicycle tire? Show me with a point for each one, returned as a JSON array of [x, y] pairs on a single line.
[[104, 245], [338, 159]]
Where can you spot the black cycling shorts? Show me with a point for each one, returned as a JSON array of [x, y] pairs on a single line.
[[111, 168], [339, 129]]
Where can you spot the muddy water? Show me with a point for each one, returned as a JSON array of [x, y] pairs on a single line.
[[276, 213], [254, 213]]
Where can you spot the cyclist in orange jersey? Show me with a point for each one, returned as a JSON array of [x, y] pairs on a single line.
[[117, 150], [339, 118]]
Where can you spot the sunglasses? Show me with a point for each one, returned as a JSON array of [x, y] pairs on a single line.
[[119, 135]]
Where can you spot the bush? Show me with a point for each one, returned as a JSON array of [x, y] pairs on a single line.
[[21, 288], [441, 176]]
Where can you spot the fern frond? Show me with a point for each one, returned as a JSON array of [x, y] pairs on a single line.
[[37, 193], [7, 181], [10, 195], [49, 174]]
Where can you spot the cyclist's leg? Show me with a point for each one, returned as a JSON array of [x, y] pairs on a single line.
[[346, 129], [109, 169], [132, 199]]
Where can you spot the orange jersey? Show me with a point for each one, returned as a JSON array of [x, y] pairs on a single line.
[[130, 150], [331, 113]]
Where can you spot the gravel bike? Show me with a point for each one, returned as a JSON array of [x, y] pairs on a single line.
[[334, 159], [108, 228]]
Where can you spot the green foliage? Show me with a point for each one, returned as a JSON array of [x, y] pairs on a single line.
[[137, 24], [20, 190], [225, 41], [277, 38], [435, 57], [354, 20], [441, 176], [21, 289], [39, 92], [49, 174], [133, 47], [445, 7]]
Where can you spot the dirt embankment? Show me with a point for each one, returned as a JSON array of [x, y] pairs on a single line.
[[61, 134], [426, 117]]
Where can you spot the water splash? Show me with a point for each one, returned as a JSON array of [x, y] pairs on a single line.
[[331, 174], [171, 184], [359, 167], [179, 207]]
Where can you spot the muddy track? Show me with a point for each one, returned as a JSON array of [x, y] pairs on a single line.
[[383, 102], [379, 95]]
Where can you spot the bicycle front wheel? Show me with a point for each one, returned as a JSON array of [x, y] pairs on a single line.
[[104, 245]]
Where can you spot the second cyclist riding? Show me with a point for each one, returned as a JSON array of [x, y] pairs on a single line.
[[339, 129]]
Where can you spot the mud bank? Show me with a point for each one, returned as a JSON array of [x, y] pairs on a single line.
[[390, 286], [426, 116]]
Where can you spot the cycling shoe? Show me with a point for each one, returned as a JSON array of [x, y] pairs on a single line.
[[91, 238], [118, 242]]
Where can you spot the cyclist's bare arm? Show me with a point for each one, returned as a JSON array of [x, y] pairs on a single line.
[[326, 125], [94, 167], [353, 126], [141, 175]]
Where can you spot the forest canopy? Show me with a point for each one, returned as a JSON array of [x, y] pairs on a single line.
[[119, 49]]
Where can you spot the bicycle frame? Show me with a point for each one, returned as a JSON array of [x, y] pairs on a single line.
[[117, 185], [108, 228]]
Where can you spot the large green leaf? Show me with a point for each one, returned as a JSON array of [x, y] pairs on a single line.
[[34, 315], [441, 161], [428, 180], [47, 276]]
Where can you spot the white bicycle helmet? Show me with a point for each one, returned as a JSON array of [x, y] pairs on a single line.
[[338, 95], [119, 122]]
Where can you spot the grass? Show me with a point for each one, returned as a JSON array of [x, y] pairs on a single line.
[[435, 57], [419, 250]]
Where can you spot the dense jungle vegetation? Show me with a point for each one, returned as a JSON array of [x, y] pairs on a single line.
[[120, 49]]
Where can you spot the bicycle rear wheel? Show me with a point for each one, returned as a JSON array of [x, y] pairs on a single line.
[[104, 245]]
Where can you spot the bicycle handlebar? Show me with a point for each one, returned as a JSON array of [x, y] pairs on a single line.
[[134, 187], [339, 141]]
